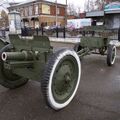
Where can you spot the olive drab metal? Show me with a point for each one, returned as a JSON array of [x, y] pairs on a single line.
[[97, 40], [23, 59], [59, 72]]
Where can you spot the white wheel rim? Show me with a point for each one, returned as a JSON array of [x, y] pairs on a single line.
[[50, 97]]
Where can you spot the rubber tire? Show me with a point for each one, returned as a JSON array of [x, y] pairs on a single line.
[[110, 60], [46, 84], [12, 81]]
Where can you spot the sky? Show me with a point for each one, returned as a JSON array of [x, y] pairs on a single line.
[[77, 3]]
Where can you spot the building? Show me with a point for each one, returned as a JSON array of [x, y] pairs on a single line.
[[82, 15], [110, 15], [71, 17], [38, 13], [96, 15]]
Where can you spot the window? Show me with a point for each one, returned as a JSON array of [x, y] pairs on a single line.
[[40, 8], [45, 9], [17, 10], [30, 10], [26, 11], [22, 12], [36, 9], [18, 22], [116, 21], [58, 11]]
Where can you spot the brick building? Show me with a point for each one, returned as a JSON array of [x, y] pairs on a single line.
[[40, 12]]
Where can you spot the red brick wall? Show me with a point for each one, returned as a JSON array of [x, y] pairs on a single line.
[[71, 17], [62, 11], [52, 10]]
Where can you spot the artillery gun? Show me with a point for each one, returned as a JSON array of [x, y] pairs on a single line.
[[59, 72], [97, 40], [24, 60]]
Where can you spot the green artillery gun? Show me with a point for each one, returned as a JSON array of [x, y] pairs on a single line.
[[59, 72], [97, 40], [33, 59]]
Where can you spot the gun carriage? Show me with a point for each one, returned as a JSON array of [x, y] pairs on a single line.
[[59, 72], [97, 40]]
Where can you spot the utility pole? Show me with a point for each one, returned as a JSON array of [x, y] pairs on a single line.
[[66, 13], [56, 13]]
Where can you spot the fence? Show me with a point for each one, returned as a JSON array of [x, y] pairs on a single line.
[[63, 33], [56, 32]]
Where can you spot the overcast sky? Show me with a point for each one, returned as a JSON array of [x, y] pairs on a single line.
[[77, 3]]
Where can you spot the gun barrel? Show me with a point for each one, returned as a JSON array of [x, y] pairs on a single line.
[[17, 56]]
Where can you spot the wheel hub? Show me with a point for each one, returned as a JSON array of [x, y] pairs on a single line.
[[67, 78], [64, 80]]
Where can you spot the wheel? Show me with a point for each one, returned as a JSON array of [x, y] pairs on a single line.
[[111, 55], [7, 77], [61, 78], [77, 47]]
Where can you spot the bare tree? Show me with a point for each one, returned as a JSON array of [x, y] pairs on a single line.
[[4, 19], [92, 5], [89, 5], [71, 9], [86, 6], [79, 10], [101, 3]]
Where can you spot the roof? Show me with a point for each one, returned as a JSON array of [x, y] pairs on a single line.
[[95, 14], [14, 12], [112, 12], [35, 1]]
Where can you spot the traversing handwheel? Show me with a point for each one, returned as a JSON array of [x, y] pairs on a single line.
[[61, 78]]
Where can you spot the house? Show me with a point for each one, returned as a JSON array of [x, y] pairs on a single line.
[[36, 13]]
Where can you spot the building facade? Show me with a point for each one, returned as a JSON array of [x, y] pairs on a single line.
[[110, 15], [40, 13]]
